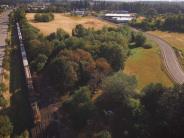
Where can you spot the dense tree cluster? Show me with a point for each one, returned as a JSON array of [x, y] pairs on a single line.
[[174, 23], [156, 113], [167, 22], [43, 17], [84, 58]]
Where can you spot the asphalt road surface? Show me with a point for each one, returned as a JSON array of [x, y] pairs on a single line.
[[3, 36], [170, 60]]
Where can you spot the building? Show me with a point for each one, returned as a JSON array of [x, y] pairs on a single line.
[[79, 12], [35, 6], [119, 17], [4, 6]]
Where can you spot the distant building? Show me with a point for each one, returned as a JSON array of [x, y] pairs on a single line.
[[79, 12], [4, 6], [38, 6], [120, 17]]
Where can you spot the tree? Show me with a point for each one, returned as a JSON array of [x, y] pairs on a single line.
[[2, 88], [115, 55], [72, 67], [3, 101], [44, 17], [58, 35], [80, 107], [6, 127], [117, 90], [20, 15], [39, 63], [79, 31], [122, 108], [151, 96], [140, 39]]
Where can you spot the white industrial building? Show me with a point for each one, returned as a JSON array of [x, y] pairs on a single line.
[[119, 17]]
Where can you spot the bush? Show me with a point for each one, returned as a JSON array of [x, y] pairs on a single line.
[[147, 46], [6, 127], [140, 39], [3, 101], [44, 17], [2, 88], [104, 134]]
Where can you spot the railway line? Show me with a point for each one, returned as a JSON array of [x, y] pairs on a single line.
[[31, 92], [42, 117]]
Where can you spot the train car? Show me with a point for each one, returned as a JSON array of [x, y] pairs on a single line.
[[31, 92]]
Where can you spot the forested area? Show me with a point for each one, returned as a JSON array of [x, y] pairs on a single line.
[[171, 22], [143, 8], [148, 9], [103, 102]]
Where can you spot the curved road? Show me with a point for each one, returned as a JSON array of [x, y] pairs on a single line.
[[170, 60]]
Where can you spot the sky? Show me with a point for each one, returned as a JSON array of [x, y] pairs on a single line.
[[144, 0]]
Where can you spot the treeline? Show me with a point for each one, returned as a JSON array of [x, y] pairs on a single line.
[[168, 22], [43, 17], [142, 8]]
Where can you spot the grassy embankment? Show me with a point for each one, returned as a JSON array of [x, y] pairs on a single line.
[[147, 66]]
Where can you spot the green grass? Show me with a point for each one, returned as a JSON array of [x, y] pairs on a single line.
[[146, 65]]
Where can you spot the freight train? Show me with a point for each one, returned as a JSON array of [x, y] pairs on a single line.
[[32, 96]]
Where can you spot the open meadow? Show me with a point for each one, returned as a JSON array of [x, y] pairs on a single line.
[[147, 66], [67, 23]]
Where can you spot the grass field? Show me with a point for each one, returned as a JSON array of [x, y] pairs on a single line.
[[67, 23], [174, 39], [147, 66]]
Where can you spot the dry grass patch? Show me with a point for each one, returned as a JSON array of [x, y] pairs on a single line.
[[67, 23], [147, 66], [174, 39]]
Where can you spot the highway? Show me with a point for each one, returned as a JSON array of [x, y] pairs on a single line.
[[170, 59], [3, 36]]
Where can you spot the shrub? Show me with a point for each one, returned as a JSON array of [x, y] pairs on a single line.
[[3, 101], [147, 46], [44, 17], [140, 39], [2, 88], [6, 127]]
